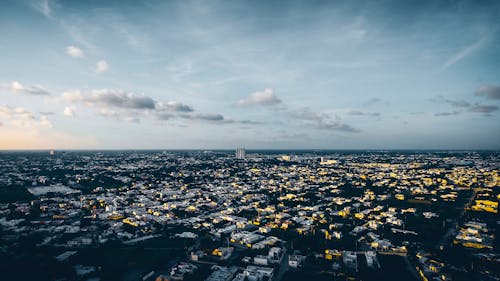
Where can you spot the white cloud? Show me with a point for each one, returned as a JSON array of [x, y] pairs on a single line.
[[75, 52], [109, 113], [265, 97], [72, 96], [69, 111], [44, 7], [17, 87], [101, 66], [21, 117], [462, 54], [23, 113], [45, 122]]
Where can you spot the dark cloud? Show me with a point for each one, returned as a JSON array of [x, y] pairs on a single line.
[[336, 126], [452, 113], [214, 118], [47, 113], [321, 120], [174, 106], [361, 113], [209, 117], [120, 99], [454, 103], [490, 92], [34, 90], [183, 108], [120, 105], [458, 103], [483, 108], [248, 122], [476, 107], [165, 116], [372, 101], [305, 113], [203, 116]]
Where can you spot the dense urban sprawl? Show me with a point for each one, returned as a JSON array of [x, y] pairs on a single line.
[[256, 215]]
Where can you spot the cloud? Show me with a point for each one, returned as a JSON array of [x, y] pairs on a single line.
[[108, 113], [174, 106], [5, 111], [46, 113], [75, 52], [101, 66], [71, 96], [452, 113], [265, 98], [458, 103], [336, 126], [305, 113], [22, 113], [107, 99], [361, 113], [131, 34], [165, 115], [248, 122], [44, 7], [21, 117], [476, 107], [131, 119], [123, 116], [462, 54], [490, 92], [372, 101], [454, 103], [214, 118], [34, 90], [321, 120], [69, 111], [483, 108], [45, 122], [112, 98], [121, 105], [204, 116], [117, 104]]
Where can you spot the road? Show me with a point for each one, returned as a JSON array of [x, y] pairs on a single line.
[[444, 241], [283, 267]]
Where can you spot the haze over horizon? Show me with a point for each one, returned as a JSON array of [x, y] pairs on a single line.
[[259, 75]]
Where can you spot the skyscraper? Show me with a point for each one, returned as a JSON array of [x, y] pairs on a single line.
[[240, 153]]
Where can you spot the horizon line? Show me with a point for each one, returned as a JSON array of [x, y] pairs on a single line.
[[250, 149]]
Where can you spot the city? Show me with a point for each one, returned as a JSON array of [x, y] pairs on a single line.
[[262, 140], [250, 215]]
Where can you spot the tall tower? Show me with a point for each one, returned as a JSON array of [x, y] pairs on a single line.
[[240, 153]]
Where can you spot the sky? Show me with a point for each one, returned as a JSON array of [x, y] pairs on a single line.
[[253, 74]]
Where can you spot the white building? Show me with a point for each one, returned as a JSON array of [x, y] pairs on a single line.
[[240, 153]]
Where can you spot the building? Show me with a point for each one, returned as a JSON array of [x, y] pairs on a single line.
[[295, 261], [240, 153]]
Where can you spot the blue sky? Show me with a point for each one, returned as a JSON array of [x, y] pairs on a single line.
[[254, 74]]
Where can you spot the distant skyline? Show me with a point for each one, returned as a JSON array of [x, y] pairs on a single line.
[[252, 74]]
